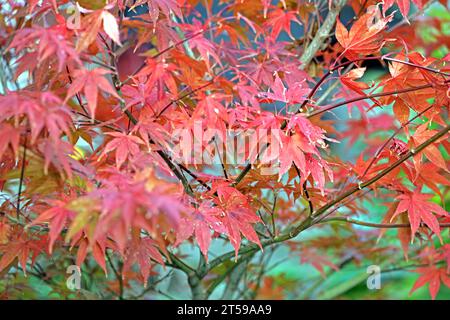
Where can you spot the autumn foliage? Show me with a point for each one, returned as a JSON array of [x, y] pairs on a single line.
[[98, 95]]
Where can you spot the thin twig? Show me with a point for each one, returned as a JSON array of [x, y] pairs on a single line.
[[374, 225], [376, 95], [22, 175]]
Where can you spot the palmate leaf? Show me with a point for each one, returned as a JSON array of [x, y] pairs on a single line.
[[198, 225], [124, 146], [89, 82], [91, 25], [48, 44], [433, 276], [419, 210], [144, 252], [9, 136], [280, 20], [403, 5], [365, 36], [157, 6], [235, 215], [45, 112], [57, 217], [19, 249]]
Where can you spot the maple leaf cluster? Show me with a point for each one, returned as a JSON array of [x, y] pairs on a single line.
[[95, 92]]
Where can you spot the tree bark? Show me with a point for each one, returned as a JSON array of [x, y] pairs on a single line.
[[322, 34]]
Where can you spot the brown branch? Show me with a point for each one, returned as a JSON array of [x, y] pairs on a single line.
[[310, 221], [374, 225], [384, 172], [344, 203], [344, 64], [376, 95]]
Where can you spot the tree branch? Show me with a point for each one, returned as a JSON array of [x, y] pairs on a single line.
[[117, 274], [322, 34], [373, 225], [22, 175], [312, 220], [377, 154], [380, 175]]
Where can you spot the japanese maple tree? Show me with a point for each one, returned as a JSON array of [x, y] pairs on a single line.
[[150, 140]]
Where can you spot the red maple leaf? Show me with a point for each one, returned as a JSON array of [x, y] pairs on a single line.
[[431, 152], [124, 146], [157, 6], [91, 81], [233, 210], [365, 36], [280, 20], [20, 248], [197, 224], [419, 209], [295, 94], [318, 260], [349, 80], [433, 276], [44, 110], [57, 216], [9, 136], [142, 251], [48, 44]]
